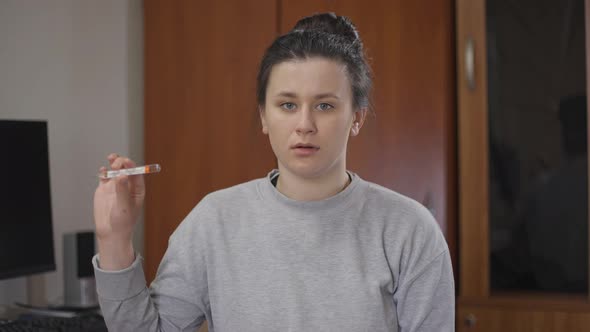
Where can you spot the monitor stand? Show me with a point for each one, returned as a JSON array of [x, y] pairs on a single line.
[[36, 294]]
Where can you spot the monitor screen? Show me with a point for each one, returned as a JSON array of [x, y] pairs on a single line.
[[26, 234]]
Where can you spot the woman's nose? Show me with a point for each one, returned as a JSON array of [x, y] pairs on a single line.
[[306, 122]]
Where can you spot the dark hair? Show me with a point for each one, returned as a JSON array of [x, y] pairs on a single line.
[[324, 35]]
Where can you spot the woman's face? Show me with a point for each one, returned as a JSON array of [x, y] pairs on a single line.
[[308, 116]]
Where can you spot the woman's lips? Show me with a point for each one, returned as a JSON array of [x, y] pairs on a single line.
[[305, 151]]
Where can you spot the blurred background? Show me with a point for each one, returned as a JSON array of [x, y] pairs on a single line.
[[79, 66]]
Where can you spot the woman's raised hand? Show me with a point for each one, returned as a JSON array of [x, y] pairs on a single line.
[[117, 206]]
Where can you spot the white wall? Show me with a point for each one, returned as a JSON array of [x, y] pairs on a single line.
[[78, 65]]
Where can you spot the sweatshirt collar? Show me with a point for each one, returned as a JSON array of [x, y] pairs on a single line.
[[270, 193]]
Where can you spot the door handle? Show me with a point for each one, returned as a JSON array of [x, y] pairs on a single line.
[[470, 63]]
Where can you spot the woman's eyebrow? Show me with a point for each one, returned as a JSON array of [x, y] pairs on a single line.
[[326, 95], [286, 94], [318, 96]]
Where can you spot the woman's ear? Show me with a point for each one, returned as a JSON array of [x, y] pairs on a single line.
[[358, 121], [263, 120]]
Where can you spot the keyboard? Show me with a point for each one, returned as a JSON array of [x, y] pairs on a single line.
[[82, 323]]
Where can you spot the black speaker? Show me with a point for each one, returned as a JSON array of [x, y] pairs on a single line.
[[79, 282]]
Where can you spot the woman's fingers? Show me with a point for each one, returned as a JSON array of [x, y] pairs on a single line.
[[111, 157], [119, 163], [128, 163], [100, 171], [136, 182]]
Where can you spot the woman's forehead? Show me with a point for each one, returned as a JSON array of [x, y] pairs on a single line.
[[309, 77]]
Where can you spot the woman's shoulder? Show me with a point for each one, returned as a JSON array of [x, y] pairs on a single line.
[[402, 214], [412, 231], [389, 201]]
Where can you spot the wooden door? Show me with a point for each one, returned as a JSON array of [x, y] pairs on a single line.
[[501, 288], [201, 120]]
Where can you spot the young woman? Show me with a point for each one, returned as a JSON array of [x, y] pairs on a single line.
[[310, 247]]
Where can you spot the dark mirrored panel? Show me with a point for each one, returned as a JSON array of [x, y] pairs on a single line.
[[538, 165]]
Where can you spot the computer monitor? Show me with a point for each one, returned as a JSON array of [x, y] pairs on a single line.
[[26, 232]]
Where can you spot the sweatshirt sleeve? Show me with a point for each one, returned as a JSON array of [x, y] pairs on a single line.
[[425, 293], [426, 302], [177, 300]]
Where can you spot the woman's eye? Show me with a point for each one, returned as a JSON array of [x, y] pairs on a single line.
[[325, 107], [288, 106]]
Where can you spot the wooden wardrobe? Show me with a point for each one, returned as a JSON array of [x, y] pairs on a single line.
[[522, 68], [201, 121]]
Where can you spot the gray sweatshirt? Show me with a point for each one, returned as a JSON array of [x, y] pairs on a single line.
[[248, 258]]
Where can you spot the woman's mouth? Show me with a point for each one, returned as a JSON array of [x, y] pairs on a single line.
[[304, 150]]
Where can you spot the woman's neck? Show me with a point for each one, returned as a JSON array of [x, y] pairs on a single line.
[[314, 189]]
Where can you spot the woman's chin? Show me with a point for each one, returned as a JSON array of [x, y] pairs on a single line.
[[306, 170]]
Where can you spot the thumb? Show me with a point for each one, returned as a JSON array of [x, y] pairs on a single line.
[[122, 185], [123, 192]]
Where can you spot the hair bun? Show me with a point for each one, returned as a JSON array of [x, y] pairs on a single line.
[[329, 23]]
